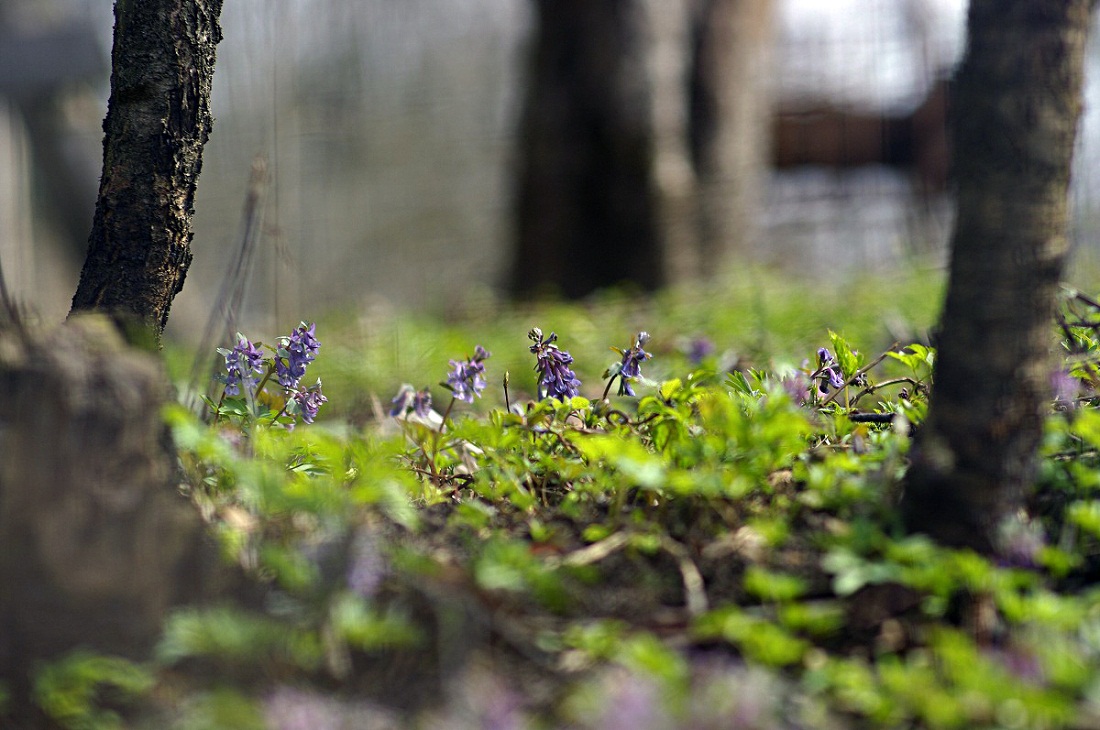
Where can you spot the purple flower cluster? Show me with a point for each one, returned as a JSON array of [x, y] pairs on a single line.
[[243, 364], [556, 378], [631, 366], [411, 399], [467, 377], [309, 401], [294, 353]]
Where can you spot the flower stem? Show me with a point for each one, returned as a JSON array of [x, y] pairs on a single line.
[[447, 413], [610, 381]]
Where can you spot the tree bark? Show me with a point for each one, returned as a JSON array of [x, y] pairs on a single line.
[[158, 120], [96, 542], [587, 210], [1016, 107]]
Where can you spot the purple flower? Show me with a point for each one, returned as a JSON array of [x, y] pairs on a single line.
[[1021, 661], [292, 708], [467, 377], [366, 565], [699, 349], [243, 364], [1066, 390], [309, 401], [828, 372], [402, 402], [631, 366], [797, 386], [486, 702], [294, 353], [556, 378], [422, 403], [630, 701], [418, 401]]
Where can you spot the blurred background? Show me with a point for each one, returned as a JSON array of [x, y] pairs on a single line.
[[403, 143]]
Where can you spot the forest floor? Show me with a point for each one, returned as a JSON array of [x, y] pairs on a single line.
[[719, 550]]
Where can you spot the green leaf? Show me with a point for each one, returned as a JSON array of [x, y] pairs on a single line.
[[354, 621], [1086, 515], [237, 638], [849, 360], [579, 403], [771, 586], [851, 572], [737, 381], [67, 689], [221, 708], [758, 639], [920, 360], [670, 387], [646, 654]]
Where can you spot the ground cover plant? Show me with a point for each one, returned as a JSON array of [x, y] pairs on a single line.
[[669, 529]]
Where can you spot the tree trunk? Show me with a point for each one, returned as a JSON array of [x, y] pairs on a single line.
[[1018, 99], [731, 111], [622, 93], [96, 543], [589, 211], [158, 120]]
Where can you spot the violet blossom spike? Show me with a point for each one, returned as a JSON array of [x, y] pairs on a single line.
[[422, 403], [309, 401], [632, 363], [243, 364], [403, 401], [408, 399], [296, 352], [556, 378], [467, 377]]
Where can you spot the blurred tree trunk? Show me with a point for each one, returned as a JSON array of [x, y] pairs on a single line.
[[731, 113], [96, 542], [158, 120], [607, 190], [1018, 99], [588, 209]]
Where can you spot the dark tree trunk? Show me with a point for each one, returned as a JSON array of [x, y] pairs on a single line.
[[622, 93], [1018, 98], [589, 210], [157, 122]]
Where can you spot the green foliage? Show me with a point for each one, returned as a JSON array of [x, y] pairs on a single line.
[[237, 638], [504, 565], [72, 691], [757, 638], [740, 506], [773, 587], [219, 710]]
